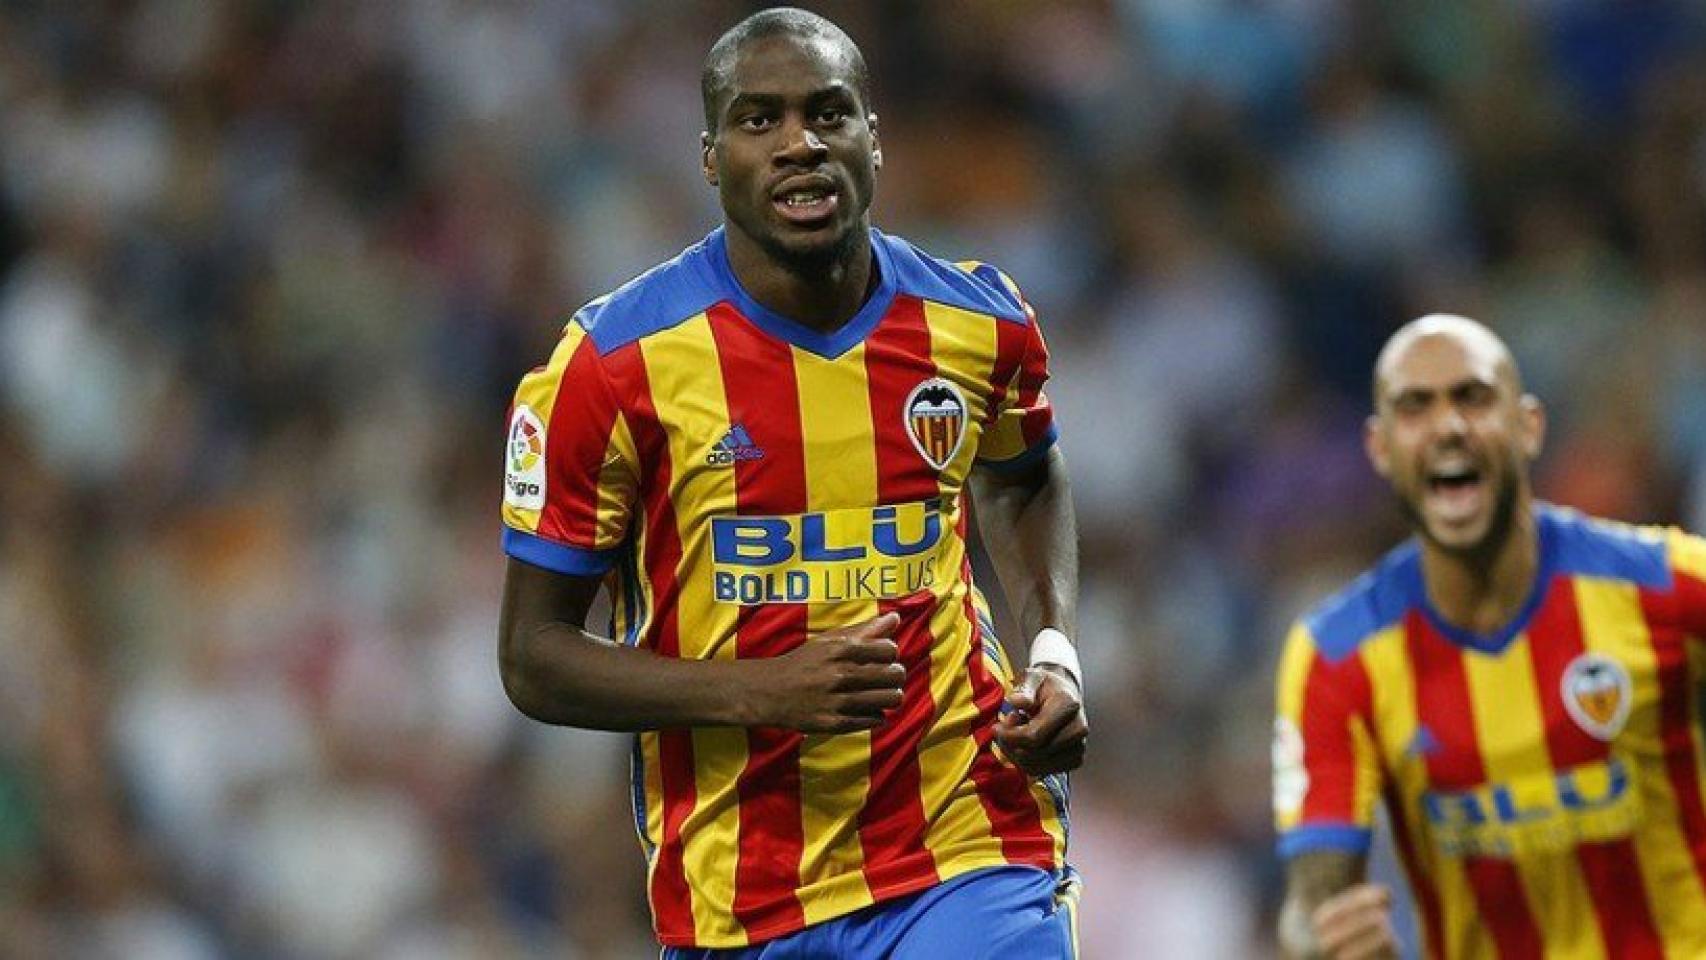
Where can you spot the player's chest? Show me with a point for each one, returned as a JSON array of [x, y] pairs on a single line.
[[805, 432], [1540, 743]]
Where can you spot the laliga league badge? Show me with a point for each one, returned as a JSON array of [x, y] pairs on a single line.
[[524, 463], [1597, 693], [936, 421]]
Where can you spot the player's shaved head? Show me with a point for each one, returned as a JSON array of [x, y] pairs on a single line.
[[714, 80], [1473, 336]]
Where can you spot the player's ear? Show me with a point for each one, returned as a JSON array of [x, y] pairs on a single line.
[[1374, 444], [876, 142], [1533, 414], [708, 157]]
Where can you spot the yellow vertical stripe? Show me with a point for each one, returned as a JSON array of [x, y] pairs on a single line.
[[840, 472], [686, 388], [1612, 624], [1296, 659], [1512, 735], [538, 391], [963, 348], [618, 487]]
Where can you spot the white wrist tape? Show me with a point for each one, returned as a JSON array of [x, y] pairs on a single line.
[[1052, 647]]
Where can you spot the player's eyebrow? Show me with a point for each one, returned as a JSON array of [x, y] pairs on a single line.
[[838, 90]]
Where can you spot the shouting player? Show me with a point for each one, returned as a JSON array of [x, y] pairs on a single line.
[[1517, 685], [762, 448]]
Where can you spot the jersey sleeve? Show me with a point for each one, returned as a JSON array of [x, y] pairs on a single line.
[[1021, 427], [570, 482], [1688, 568], [1326, 769]]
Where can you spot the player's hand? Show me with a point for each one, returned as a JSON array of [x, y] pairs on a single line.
[[1356, 924], [838, 681], [1044, 730]]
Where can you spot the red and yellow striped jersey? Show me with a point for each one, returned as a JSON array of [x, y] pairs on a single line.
[[1544, 785], [743, 482]]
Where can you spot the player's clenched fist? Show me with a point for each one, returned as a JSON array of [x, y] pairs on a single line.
[[1045, 730], [838, 681], [1356, 924]]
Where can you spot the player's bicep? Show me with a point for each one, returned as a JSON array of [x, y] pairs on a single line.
[[534, 598]]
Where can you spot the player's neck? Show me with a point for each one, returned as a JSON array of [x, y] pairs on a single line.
[[1483, 593], [820, 295]]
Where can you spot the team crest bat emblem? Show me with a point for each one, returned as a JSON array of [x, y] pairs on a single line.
[[1597, 693], [936, 421]]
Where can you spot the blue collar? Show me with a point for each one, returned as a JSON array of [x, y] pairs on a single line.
[[1501, 638], [826, 345]]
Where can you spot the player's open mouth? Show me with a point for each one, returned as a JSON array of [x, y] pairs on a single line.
[[1454, 491], [807, 204]]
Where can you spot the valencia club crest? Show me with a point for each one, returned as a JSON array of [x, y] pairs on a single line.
[[1597, 694], [936, 421]]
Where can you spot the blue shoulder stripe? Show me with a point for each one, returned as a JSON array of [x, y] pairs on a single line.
[[929, 278], [1369, 604], [664, 296], [1594, 548]]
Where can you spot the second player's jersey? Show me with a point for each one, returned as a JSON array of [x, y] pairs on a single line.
[[743, 482], [1544, 784]]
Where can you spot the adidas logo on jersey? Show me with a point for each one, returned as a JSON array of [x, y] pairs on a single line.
[[735, 445]]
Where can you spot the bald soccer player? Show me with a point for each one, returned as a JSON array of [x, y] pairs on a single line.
[[1517, 684]]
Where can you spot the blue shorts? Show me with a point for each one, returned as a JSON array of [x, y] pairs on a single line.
[[987, 914]]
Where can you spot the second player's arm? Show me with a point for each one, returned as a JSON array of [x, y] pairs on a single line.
[[1330, 913], [555, 671]]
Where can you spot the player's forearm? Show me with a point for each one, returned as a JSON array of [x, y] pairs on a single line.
[[1296, 939], [561, 675], [1031, 533], [1311, 880]]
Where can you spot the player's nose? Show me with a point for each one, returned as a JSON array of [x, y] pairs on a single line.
[[800, 144]]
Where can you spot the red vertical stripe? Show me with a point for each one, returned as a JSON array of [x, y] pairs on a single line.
[[1003, 789], [1664, 613], [575, 451], [1009, 350], [1444, 707], [891, 824], [1032, 374], [670, 895], [1332, 693], [763, 396], [1612, 873]]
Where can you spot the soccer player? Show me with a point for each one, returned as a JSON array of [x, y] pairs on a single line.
[[1517, 685], [762, 450]]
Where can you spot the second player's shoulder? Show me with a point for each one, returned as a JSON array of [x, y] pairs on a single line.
[[971, 285], [1582, 545], [1375, 600]]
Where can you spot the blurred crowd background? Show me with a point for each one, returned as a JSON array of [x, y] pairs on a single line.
[[269, 270]]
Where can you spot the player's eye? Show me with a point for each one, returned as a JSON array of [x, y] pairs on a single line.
[[831, 116], [755, 122], [1476, 394], [1409, 404]]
